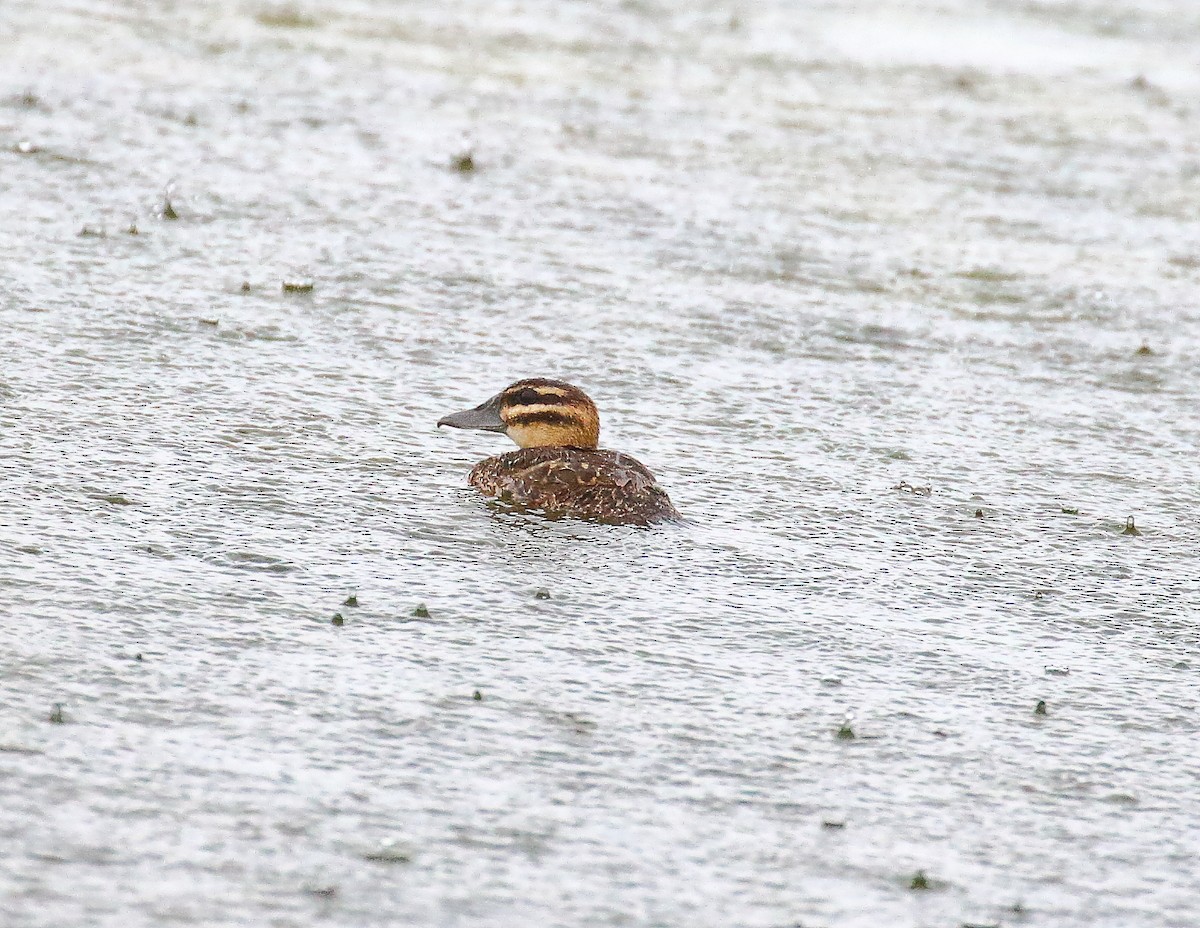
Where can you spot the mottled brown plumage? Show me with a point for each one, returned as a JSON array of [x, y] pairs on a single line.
[[587, 483], [558, 468]]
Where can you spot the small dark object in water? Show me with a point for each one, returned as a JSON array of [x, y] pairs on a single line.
[[138, 656], [285, 17], [1145, 351], [338, 620], [245, 286], [327, 892], [89, 232], [543, 593], [168, 210], [978, 513], [1153, 93], [919, 881], [832, 825], [56, 714], [907, 487], [1040, 708], [845, 733], [133, 229], [938, 733], [421, 612], [351, 600], [212, 322], [477, 696], [1130, 528], [1070, 511], [290, 287], [464, 163], [389, 853]]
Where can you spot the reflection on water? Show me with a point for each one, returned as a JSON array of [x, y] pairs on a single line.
[[807, 261]]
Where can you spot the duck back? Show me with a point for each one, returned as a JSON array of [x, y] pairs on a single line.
[[586, 483]]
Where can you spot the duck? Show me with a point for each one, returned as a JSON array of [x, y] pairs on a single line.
[[558, 467]]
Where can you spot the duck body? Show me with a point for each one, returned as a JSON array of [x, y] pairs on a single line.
[[559, 469], [586, 483]]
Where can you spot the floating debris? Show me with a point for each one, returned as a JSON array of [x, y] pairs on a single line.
[[1070, 511], [1058, 671], [285, 17], [543, 593], [115, 499], [464, 163], [1145, 351], [138, 656], [298, 286], [477, 696], [338, 620], [978, 513], [245, 286], [1130, 528], [906, 487], [89, 232], [212, 322], [964, 82], [1154, 94], [578, 723], [351, 601], [389, 852], [326, 892], [132, 229], [56, 714], [168, 209], [1040, 708], [919, 881], [832, 825], [25, 147], [421, 612], [846, 731]]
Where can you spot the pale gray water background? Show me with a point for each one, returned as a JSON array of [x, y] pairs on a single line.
[[799, 253]]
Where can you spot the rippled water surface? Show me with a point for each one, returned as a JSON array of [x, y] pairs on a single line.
[[898, 299]]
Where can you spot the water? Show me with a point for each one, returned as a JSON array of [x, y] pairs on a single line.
[[807, 259]]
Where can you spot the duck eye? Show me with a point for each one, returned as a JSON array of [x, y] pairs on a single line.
[[528, 397]]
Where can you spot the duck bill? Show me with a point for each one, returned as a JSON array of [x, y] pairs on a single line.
[[485, 416]]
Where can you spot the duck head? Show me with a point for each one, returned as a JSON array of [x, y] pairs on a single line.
[[535, 413]]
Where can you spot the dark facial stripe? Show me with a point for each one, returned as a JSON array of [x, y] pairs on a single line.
[[547, 417]]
